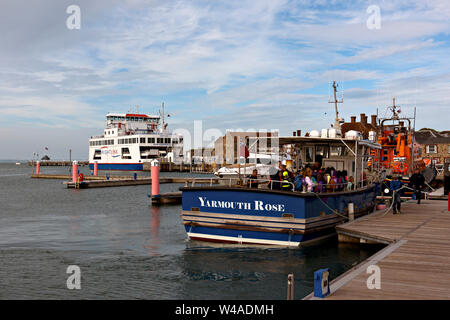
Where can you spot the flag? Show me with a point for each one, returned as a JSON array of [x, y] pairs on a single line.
[[46, 148], [244, 151]]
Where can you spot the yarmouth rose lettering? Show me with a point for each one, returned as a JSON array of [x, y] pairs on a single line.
[[256, 205]]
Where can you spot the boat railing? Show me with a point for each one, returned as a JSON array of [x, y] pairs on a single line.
[[277, 184]]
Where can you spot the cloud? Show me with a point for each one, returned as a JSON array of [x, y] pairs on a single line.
[[234, 64]]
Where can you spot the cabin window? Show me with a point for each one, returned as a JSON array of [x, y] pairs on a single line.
[[142, 140], [309, 154], [160, 140], [432, 148], [151, 140], [167, 140]]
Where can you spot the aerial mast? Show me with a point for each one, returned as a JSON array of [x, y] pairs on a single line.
[[337, 123]]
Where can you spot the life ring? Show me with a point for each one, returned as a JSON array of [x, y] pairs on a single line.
[[401, 167]]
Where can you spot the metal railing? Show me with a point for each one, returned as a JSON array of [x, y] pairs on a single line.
[[277, 184]]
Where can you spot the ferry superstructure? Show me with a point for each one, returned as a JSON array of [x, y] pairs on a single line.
[[131, 140]]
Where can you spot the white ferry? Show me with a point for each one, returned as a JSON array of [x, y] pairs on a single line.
[[131, 140]]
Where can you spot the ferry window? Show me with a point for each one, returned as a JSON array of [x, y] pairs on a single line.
[[151, 140], [160, 140], [134, 140], [167, 140], [142, 140], [174, 141]]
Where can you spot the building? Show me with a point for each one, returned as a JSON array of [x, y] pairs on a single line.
[[362, 126], [227, 147], [432, 146]]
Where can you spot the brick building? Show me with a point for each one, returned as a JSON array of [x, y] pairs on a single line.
[[432, 146], [362, 126]]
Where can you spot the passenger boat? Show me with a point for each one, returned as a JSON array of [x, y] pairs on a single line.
[[240, 214], [237, 213], [132, 140]]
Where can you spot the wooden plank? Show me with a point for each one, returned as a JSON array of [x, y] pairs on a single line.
[[419, 269]]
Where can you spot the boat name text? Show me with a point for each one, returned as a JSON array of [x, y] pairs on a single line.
[[257, 205]]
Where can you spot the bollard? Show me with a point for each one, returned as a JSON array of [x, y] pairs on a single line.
[[135, 176], [95, 168], [155, 178], [290, 287], [38, 167], [74, 171], [321, 283], [351, 211]]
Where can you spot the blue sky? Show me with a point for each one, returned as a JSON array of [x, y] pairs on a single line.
[[232, 64]]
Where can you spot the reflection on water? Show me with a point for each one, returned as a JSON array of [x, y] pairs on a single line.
[[127, 249]]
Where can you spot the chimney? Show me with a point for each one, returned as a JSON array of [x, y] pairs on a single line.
[[353, 119], [299, 133], [363, 118], [293, 133], [374, 120]]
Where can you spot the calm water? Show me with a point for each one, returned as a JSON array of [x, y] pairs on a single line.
[[128, 250]]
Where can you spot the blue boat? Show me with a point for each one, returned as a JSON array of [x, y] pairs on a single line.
[[268, 217], [234, 213]]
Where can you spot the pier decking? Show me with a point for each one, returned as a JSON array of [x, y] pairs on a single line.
[[120, 181], [415, 264]]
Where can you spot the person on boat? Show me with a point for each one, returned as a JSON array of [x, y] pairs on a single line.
[[396, 187], [308, 180], [350, 183], [320, 182], [417, 181], [275, 179], [252, 180], [298, 181], [285, 183]]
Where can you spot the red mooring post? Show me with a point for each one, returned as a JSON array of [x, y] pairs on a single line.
[[155, 178], [95, 168], [38, 167], [74, 171]]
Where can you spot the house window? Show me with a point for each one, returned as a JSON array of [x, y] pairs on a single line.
[[432, 148]]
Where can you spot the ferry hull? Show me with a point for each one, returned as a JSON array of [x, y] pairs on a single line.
[[245, 216], [118, 166]]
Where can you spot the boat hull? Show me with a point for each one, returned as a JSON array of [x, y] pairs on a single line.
[[118, 166], [266, 217]]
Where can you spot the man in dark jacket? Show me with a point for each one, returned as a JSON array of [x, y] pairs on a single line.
[[396, 187], [418, 183]]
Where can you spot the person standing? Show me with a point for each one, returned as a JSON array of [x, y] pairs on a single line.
[[418, 183], [396, 187]]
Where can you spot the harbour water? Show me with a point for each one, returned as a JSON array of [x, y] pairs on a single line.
[[127, 249]]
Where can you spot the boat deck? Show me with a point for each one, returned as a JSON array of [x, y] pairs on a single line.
[[416, 264]]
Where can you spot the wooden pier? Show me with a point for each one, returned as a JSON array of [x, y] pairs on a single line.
[[414, 265], [119, 181]]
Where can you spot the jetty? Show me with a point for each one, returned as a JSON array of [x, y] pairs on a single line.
[[119, 181], [415, 264]]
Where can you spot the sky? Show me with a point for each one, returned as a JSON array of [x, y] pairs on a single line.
[[233, 65]]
